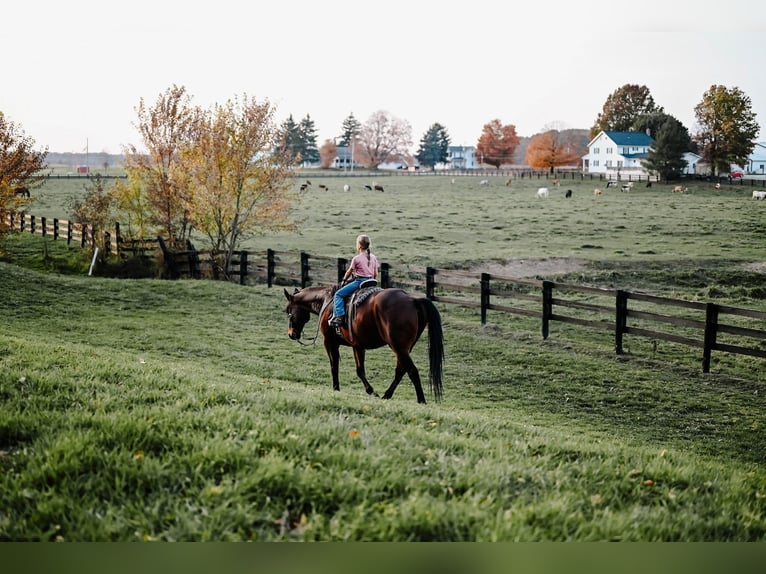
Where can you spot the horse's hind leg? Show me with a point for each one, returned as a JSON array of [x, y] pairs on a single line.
[[404, 365], [359, 358]]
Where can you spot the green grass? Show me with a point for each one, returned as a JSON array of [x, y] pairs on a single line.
[[155, 410]]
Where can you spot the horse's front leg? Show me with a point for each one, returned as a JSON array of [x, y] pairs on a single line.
[[333, 352], [359, 358]]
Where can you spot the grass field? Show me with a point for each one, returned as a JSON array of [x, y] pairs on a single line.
[[153, 410]]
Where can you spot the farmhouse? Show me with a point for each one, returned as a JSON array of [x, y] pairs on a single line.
[[615, 153], [460, 157], [756, 161]]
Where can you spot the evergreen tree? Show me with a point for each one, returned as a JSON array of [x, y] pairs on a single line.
[[666, 156], [307, 135], [290, 145], [434, 146], [351, 127]]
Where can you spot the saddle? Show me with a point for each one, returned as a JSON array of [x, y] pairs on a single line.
[[356, 298]]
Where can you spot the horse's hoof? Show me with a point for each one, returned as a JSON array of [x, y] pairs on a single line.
[[386, 396]]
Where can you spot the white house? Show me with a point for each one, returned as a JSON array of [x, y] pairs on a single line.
[[756, 161], [616, 153], [692, 163], [460, 157]]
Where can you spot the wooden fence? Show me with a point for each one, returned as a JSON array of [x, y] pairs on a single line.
[[55, 228], [708, 326]]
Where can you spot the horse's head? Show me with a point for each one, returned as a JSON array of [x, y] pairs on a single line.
[[298, 314]]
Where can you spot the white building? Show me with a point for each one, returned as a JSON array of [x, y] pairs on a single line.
[[756, 161], [614, 153], [460, 157], [693, 164]]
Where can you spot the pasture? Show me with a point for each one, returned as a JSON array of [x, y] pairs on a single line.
[[154, 410]]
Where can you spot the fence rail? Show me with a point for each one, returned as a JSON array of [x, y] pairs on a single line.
[[708, 326]]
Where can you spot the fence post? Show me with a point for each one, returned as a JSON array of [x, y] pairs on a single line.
[[32, 224], [621, 319], [55, 228], [342, 266], [385, 275], [69, 232], [547, 306], [44, 225], [304, 269], [430, 273], [242, 267], [711, 330], [270, 267], [107, 242], [84, 238], [484, 297]]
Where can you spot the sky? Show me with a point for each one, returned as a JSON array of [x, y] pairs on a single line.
[[73, 72]]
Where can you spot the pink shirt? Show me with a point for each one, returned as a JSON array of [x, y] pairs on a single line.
[[363, 268]]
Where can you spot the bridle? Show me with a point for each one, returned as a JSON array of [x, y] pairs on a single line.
[[319, 321]]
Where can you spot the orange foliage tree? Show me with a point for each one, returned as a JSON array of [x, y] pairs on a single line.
[[550, 150], [327, 153], [497, 143]]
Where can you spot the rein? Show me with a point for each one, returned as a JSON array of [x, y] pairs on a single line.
[[319, 324]]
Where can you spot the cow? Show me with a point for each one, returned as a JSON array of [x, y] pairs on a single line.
[[597, 192], [680, 189], [759, 195], [568, 193], [542, 192]]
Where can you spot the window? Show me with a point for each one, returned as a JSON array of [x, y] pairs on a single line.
[[595, 163], [609, 150], [596, 151]]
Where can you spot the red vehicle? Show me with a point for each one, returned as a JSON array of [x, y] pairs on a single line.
[[737, 173]]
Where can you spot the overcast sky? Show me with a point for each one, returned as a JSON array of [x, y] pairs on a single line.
[[74, 71]]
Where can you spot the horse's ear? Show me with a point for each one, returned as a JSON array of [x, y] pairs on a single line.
[[289, 297]]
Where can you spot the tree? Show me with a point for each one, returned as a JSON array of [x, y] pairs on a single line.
[[351, 127], [327, 153], [497, 143], [671, 142], [21, 166], [727, 127], [96, 210], [383, 138], [307, 135], [434, 146], [552, 149], [165, 128], [238, 186], [622, 107], [289, 144]]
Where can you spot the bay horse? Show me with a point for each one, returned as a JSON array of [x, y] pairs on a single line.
[[386, 317]]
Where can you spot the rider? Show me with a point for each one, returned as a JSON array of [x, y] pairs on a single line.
[[363, 267]]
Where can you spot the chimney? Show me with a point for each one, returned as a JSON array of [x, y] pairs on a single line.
[[649, 132]]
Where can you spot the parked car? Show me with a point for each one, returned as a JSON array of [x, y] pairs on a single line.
[[737, 173]]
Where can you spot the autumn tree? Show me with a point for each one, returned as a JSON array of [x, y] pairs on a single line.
[[238, 186], [95, 210], [497, 143], [383, 138], [552, 149], [727, 127], [622, 107], [327, 153], [434, 146], [165, 128], [351, 127], [21, 166]]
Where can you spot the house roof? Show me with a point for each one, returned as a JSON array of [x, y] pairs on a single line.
[[630, 138]]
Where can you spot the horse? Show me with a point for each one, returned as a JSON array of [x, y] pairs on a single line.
[[386, 317]]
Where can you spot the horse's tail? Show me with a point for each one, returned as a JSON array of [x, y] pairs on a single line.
[[435, 346]]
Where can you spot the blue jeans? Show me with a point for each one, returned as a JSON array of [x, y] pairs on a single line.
[[339, 307]]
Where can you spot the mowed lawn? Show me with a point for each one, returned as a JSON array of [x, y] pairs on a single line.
[[156, 410]]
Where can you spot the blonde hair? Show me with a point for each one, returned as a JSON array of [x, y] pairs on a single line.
[[364, 241]]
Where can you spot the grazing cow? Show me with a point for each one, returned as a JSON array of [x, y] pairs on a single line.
[[648, 184], [597, 192], [378, 187], [568, 194], [304, 187], [611, 184], [21, 192], [759, 195], [508, 181], [680, 189], [368, 187], [484, 182], [346, 187], [556, 182], [542, 192], [323, 187], [718, 185], [452, 181]]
